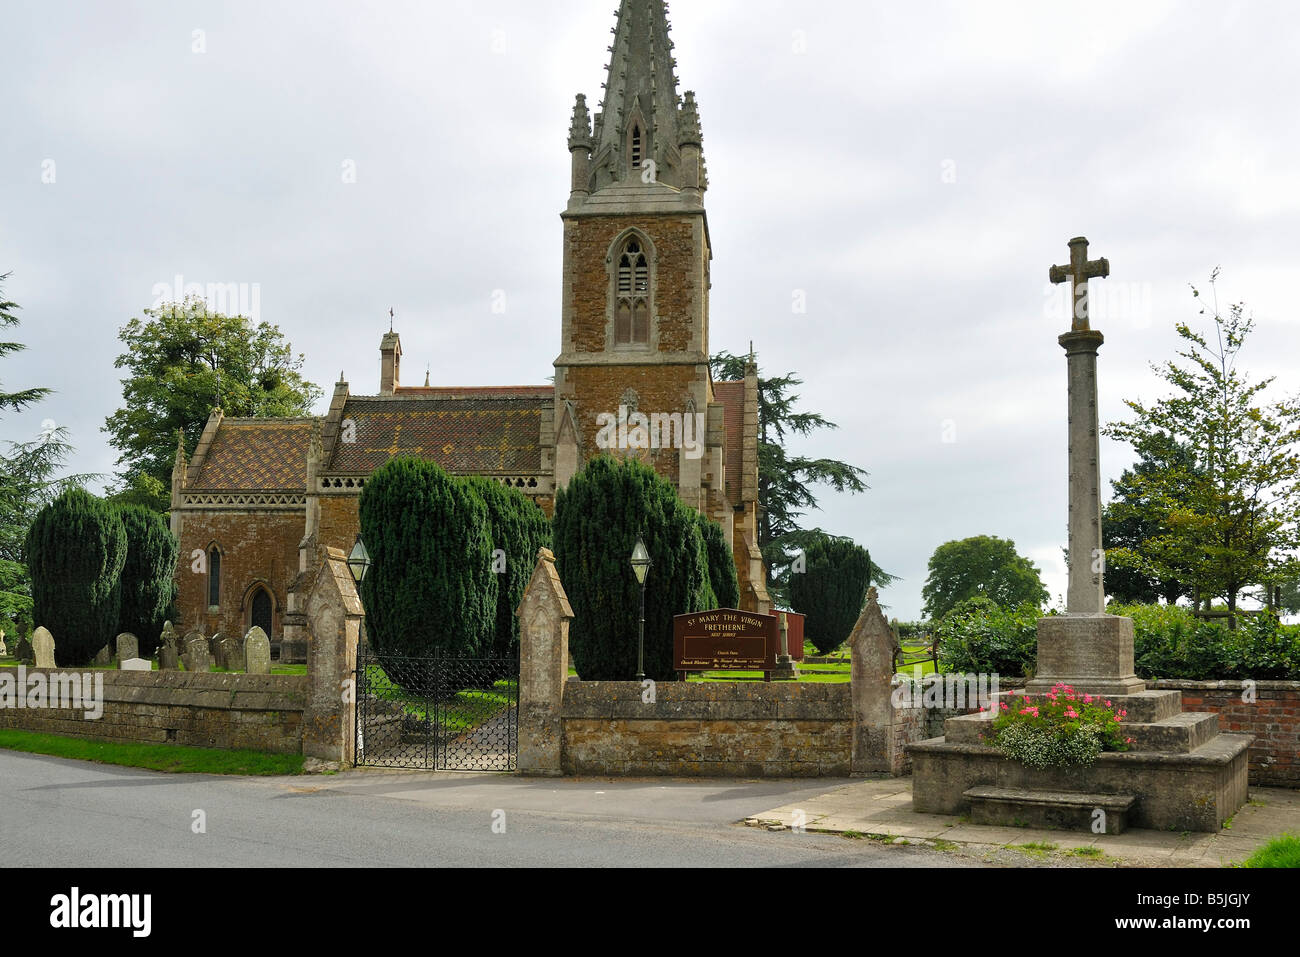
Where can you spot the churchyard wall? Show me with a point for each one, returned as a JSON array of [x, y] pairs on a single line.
[[722, 729], [212, 710]]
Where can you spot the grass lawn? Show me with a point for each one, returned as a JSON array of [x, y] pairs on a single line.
[[1282, 851], [463, 711], [156, 757]]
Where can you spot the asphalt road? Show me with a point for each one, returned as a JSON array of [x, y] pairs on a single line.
[[60, 813]]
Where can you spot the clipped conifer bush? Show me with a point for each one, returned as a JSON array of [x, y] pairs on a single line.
[[148, 580], [721, 562], [831, 590], [598, 518], [76, 548], [518, 528], [430, 590]]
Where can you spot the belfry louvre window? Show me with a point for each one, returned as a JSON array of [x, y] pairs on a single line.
[[632, 306], [636, 148]]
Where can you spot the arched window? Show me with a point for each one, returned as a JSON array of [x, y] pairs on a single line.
[[214, 577], [632, 299]]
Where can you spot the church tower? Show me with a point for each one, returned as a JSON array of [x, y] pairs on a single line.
[[635, 328], [635, 313]]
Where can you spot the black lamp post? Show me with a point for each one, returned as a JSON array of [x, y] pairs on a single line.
[[359, 560], [641, 568]]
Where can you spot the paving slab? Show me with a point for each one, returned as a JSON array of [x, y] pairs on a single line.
[[883, 806]]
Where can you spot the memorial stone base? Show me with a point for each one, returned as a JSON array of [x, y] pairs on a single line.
[[1181, 773]]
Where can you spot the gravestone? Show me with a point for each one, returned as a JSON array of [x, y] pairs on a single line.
[[128, 647], [4, 649], [23, 653], [105, 656], [136, 664], [257, 652], [230, 655], [168, 653], [873, 643], [43, 648], [213, 644], [196, 656]]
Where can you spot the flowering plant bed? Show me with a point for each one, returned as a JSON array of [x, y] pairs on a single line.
[[1058, 729]]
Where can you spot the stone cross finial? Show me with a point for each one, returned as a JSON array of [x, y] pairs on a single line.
[[1077, 275]]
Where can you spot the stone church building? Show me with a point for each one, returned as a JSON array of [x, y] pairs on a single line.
[[259, 500]]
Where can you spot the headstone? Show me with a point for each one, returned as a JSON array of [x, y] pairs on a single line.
[[43, 648], [213, 644], [230, 655], [128, 647], [4, 649], [136, 664], [873, 643], [257, 652], [168, 650], [23, 652], [105, 656], [196, 656]]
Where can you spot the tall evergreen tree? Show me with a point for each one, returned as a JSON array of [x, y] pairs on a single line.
[[76, 549], [598, 518], [430, 589], [785, 481], [28, 482], [721, 562], [14, 401], [148, 576], [518, 529], [831, 590]]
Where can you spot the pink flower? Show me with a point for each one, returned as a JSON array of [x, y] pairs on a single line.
[[1108, 704], [1087, 699], [1004, 706]]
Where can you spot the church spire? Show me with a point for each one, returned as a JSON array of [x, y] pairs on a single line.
[[639, 127]]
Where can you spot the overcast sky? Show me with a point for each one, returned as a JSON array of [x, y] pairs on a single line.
[[912, 169]]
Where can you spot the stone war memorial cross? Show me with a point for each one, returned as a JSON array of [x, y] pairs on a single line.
[[1084, 647]]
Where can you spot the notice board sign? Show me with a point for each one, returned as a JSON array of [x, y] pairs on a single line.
[[726, 639]]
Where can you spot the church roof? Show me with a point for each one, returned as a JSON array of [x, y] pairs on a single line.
[[732, 397], [247, 454], [473, 430]]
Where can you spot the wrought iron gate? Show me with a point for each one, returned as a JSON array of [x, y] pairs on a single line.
[[439, 714]]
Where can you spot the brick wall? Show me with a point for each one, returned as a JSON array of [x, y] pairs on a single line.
[[229, 711], [256, 547], [742, 729], [1273, 717]]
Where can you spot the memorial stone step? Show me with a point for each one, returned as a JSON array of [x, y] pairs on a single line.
[[1071, 810]]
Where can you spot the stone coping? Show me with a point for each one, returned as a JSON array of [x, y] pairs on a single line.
[[1220, 750], [222, 691], [1226, 684], [722, 701]]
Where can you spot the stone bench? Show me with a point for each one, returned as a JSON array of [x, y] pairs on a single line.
[[1070, 810]]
